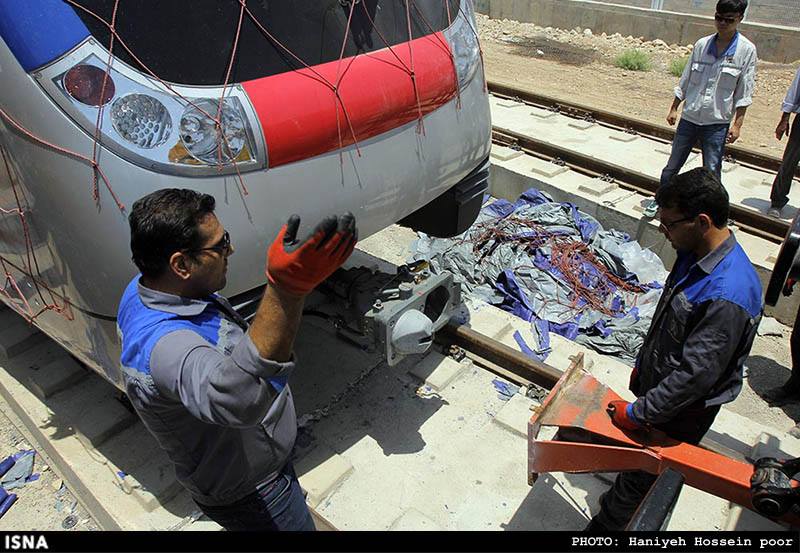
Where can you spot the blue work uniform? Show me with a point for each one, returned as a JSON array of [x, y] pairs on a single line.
[[691, 361], [224, 415]]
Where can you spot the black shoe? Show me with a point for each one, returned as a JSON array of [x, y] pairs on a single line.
[[781, 395], [595, 527]]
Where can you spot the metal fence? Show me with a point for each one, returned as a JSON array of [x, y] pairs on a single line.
[[770, 12]]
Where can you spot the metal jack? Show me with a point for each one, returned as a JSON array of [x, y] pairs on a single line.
[[571, 432]]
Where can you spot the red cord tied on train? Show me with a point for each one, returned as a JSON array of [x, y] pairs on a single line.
[[298, 266]]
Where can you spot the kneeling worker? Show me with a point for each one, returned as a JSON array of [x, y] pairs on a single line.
[[212, 391], [692, 358]]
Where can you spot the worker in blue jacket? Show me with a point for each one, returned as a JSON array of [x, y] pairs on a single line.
[[692, 358], [212, 389]]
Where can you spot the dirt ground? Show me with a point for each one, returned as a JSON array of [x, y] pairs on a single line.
[[43, 504], [578, 66]]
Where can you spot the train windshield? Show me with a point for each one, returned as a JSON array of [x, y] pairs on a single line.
[[192, 42]]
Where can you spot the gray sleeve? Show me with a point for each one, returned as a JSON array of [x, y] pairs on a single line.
[[683, 84], [743, 94], [706, 354], [235, 390]]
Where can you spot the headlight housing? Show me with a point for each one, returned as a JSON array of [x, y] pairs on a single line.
[[166, 128], [463, 39]]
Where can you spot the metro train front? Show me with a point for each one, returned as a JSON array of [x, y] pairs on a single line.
[[310, 107]]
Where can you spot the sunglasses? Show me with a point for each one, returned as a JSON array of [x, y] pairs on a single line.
[[222, 247], [728, 20], [669, 226]]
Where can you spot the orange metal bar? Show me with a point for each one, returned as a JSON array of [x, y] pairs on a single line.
[[577, 406]]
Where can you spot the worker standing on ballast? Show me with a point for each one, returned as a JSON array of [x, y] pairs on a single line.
[[212, 391], [692, 358]]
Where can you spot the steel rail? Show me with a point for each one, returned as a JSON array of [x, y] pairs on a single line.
[[741, 155], [757, 223], [496, 352]]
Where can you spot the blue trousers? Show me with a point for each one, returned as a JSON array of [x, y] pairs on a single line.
[[712, 143], [278, 505]]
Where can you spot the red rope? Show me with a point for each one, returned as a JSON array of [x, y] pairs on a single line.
[[99, 121], [420, 122], [93, 163], [30, 256]]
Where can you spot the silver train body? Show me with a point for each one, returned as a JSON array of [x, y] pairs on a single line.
[[65, 253]]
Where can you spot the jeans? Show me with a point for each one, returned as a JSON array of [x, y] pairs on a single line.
[[712, 143], [277, 505], [791, 157], [619, 504]]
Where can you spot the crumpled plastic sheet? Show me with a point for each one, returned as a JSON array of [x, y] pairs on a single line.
[[22, 471], [505, 391], [527, 284]]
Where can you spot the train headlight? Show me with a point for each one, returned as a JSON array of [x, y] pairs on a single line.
[[205, 140], [464, 43], [162, 127], [141, 120]]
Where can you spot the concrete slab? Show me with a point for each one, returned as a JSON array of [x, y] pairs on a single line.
[[320, 471], [516, 413], [147, 498], [57, 375], [728, 167], [503, 153], [698, 509], [598, 187], [414, 520], [624, 137], [509, 104], [546, 168], [581, 125], [102, 415], [18, 335], [745, 520], [543, 114], [769, 445], [438, 371], [147, 475]]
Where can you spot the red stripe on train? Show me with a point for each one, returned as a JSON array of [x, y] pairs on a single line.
[[298, 112]]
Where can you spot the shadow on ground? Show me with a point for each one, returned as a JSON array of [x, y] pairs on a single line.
[[764, 374]]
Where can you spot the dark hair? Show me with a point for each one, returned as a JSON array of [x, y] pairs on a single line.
[[731, 6], [164, 222], [695, 192]]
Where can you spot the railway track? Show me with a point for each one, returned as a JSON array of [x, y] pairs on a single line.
[[60, 405], [620, 122], [92, 471], [748, 219]]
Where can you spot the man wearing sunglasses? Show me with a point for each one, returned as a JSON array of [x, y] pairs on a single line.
[[692, 358], [716, 88], [213, 391]]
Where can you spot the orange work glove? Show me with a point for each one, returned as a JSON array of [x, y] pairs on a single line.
[[298, 266], [621, 413]]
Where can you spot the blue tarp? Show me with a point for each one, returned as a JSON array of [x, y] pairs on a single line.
[[517, 272]]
